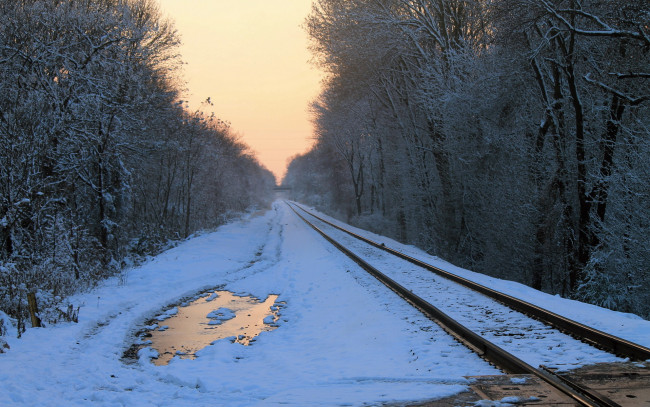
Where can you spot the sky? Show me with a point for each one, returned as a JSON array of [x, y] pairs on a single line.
[[251, 58]]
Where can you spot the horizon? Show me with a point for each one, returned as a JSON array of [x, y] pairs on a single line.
[[259, 80]]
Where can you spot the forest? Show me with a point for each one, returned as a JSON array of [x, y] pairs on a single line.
[[511, 137], [102, 161]]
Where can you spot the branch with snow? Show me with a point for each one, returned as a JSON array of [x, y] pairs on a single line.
[[633, 101], [605, 30]]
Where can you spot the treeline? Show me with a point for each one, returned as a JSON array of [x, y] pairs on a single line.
[[511, 137], [100, 161]]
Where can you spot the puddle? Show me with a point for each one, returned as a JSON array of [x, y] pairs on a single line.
[[184, 330]]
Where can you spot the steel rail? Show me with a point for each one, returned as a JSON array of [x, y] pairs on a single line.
[[577, 386], [494, 354], [597, 338]]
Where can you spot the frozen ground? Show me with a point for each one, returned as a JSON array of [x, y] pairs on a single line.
[[343, 338]]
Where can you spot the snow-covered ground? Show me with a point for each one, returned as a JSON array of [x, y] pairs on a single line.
[[530, 340], [343, 338], [627, 326]]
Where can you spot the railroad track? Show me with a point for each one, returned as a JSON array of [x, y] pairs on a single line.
[[467, 335]]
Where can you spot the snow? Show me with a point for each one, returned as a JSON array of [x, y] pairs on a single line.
[[220, 315], [167, 314], [624, 325], [342, 337], [508, 329]]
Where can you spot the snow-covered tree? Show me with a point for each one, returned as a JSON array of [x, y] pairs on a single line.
[[89, 116], [508, 136]]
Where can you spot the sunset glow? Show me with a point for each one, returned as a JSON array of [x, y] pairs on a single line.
[[250, 57]]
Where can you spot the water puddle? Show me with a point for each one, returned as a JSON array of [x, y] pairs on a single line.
[[184, 330]]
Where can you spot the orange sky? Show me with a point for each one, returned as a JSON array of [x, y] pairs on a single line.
[[250, 57]]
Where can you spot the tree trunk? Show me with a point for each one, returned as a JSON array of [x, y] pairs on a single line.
[[586, 239], [607, 145]]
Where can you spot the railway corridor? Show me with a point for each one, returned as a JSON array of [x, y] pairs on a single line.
[[491, 325], [527, 338], [342, 338]]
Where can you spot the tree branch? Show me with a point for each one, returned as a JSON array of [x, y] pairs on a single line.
[[631, 75], [631, 100], [605, 31]]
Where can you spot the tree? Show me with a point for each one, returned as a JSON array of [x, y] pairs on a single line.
[[508, 136], [81, 81]]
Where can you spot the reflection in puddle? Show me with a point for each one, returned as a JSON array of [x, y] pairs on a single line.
[[216, 316]]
